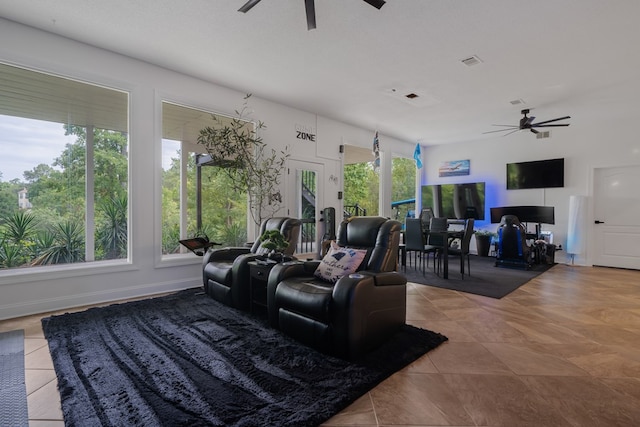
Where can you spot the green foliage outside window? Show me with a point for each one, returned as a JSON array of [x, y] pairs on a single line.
[[403, 185], [361, 184], [224, 210], [52, 231]]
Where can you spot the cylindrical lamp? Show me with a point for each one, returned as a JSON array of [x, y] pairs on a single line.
[[576, 234]]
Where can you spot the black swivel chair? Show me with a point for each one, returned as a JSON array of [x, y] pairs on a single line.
[[225, 271], [425, 216], [359, 311], [512, 244]]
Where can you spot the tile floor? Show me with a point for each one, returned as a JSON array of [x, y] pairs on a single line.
[[563, 350]]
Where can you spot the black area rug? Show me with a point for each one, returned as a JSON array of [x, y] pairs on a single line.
[[486, 279], [13, 391], [186, 360]]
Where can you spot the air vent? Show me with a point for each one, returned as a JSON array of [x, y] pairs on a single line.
[[412, 96], [542, 135], [517, 102], [471, 61]]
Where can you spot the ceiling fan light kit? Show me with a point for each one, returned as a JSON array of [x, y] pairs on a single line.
[[310, 9], [527, 122]]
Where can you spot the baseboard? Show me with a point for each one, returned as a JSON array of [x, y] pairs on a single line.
[[41, 306]]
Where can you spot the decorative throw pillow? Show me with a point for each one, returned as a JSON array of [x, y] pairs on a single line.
[[339, 262]]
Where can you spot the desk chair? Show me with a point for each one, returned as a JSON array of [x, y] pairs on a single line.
[[425, 217], [512, 244]]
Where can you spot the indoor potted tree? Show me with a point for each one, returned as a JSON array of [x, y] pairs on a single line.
[[483, 241], [274, 241], [254, 168]]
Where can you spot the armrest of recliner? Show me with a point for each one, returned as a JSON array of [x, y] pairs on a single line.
[[345, 288], [364, 295], [346, 285], [388, 278], [224, 254]]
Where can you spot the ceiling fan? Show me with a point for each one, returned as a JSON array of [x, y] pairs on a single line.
[[310, 8], [527, 123]]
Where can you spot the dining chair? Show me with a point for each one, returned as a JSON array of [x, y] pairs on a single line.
[[463, 250], [436, 242], [415, 240]]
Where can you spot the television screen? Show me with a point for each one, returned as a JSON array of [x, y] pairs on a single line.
[[534, 214], [536, 174], [455, 201]]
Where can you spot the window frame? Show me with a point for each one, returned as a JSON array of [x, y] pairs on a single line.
[[54, 271]]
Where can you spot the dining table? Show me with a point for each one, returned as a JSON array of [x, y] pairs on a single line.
[[448, 234]]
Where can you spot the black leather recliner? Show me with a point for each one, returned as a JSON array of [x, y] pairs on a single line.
[[512, 244], [359, 311], [225, 271]]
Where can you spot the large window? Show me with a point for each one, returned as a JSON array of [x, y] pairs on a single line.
[[361, 182], [403, 187], [197, 198], [63, 170]]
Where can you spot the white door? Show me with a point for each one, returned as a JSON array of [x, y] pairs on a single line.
[[304, 182], [617, 217]]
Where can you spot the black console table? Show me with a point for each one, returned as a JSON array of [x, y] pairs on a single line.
[[258, 277]]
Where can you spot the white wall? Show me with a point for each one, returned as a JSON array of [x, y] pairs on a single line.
[[27, 291], [607, 138], [603, 132]]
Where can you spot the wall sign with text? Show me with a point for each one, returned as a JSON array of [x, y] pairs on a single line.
[[305, 133]]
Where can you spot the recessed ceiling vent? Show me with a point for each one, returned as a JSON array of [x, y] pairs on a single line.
[[517, 102], [471, 61], [543, 135], [412, 96]]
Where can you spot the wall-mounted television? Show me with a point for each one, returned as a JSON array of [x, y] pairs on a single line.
[[455, 201], [534, 214], [536, 174]]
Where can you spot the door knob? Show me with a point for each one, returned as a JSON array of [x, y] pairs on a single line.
[[599, 222]]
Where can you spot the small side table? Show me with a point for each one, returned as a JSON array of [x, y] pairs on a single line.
[[258, 277]]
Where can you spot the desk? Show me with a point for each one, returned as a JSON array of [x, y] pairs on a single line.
[[449, 234]]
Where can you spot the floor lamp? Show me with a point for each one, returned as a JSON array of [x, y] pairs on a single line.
[[577, 224]]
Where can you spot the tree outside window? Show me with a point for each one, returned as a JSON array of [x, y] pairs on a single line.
[[64, 170]]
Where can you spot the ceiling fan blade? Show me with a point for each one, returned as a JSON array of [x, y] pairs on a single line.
[[376, 3], [311, 14], [534, 131], [512, 128], [537, 125], [248, 5], [553, 120], [513, 131]]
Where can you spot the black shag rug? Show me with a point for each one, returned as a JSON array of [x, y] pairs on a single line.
[[486, 279], [186, 360]]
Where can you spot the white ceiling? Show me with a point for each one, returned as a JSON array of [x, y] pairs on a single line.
[[561, 57]]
